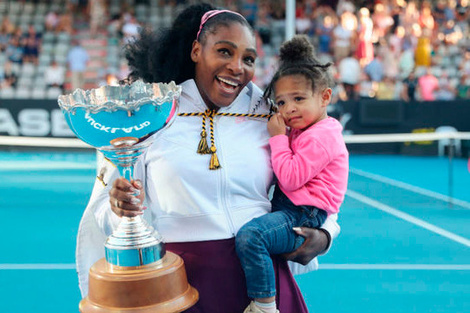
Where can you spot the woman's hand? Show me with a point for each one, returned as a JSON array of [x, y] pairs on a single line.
[[276, 125], [127, 198], [316, 241]]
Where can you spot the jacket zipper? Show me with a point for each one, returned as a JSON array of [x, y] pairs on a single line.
[[223, 183]]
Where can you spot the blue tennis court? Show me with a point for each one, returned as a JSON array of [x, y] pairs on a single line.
[[402, 248]]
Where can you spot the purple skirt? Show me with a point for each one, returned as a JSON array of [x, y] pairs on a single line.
[[214, 270]]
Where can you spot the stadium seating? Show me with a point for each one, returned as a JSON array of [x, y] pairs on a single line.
[[105, 48]]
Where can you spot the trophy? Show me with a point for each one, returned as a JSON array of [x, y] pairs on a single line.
[[137, 274]]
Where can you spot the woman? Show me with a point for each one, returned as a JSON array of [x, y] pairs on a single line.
[[198, 210]]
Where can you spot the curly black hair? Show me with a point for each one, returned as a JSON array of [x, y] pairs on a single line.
[[297, 57], [166, 55]]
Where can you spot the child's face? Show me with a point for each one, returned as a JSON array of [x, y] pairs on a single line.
[[298, 105]]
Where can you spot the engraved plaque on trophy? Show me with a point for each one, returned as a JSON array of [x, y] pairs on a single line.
[[137, 274]]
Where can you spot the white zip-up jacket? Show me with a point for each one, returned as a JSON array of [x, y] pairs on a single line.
[[186, 201]]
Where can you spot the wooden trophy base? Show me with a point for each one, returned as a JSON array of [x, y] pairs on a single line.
[[159, 287]]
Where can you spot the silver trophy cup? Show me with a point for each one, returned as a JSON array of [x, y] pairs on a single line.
[[119, 121]]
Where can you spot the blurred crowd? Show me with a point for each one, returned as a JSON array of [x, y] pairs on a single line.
[[23, 26], [384, 49], [387, 50]]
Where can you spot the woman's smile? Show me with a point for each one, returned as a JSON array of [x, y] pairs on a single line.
[[228, 86]]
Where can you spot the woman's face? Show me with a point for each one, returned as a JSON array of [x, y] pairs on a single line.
[[225, 64]]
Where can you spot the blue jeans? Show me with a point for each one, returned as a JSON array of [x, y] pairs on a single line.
[[272, 234]]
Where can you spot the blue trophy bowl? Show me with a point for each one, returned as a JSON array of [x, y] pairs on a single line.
[[119, 121]]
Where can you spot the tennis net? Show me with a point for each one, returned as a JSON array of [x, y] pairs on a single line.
[[423, 168]]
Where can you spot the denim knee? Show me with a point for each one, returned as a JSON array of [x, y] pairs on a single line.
[[247, 239]]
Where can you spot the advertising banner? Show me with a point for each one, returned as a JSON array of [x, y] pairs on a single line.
[[43, 118], [35, 118]]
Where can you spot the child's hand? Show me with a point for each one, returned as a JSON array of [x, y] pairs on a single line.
[[276, 125]]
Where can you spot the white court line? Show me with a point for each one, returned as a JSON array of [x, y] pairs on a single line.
[[397, 267], [408, 218], [29, 165], [38, 266], [326, 266], [409, 187]]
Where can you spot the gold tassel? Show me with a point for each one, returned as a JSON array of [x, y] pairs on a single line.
[[214, 163], [202, 147]]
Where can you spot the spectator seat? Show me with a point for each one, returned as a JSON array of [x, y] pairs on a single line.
[[38, 93], [7, 93], [22, 92], [28, 70], [53, 92], [25, 82]]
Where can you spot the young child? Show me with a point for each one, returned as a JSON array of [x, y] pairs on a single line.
[[310, 161]]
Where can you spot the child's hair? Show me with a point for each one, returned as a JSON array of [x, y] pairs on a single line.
[[297, 58], [166, 56]]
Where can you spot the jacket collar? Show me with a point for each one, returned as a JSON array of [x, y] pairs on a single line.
[[245, 102]]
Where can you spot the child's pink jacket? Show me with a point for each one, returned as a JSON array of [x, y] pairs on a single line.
[[312, 165]]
